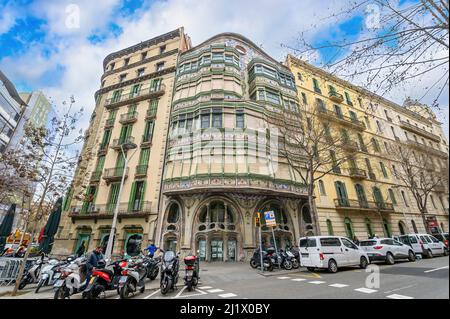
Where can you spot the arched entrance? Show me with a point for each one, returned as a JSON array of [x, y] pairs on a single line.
[[402, 227], [283, 232], [216, 229], [308, 228]]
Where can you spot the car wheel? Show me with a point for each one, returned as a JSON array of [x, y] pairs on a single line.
[[332, 266], [390, 259], [429, 253], [311, 269], [363, 263], [411, 256]]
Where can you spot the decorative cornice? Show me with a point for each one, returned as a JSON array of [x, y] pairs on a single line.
[[135, 80], [145, 61], [137, 47]]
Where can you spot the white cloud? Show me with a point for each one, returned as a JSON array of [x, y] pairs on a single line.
[[267, 23]]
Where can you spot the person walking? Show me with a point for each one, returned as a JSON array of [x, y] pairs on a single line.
[[151, 249]]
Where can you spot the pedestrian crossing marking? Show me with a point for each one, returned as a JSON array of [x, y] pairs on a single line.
[[338, 285], [214, 290], [366, 290], [206, 287], [283, 277], [316, 282], [228, 295], [298, 279], [395, 296]]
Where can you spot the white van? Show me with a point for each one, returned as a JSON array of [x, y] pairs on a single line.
[[330, 252], [424, 244]]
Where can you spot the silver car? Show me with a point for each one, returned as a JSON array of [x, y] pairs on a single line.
[[387, 250]]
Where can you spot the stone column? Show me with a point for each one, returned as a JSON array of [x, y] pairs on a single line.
[[225, 247], [208, 248]]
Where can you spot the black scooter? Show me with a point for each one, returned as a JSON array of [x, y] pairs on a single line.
[[255, 261], [152, 265], [169, 271]]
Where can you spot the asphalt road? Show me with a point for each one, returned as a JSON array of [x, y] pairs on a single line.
[[423, 279]]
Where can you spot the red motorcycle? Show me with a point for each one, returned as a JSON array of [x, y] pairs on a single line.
[[192, 271], [103, 279]]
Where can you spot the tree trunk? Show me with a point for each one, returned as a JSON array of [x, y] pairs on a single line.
[[312, 204], [423, 213]]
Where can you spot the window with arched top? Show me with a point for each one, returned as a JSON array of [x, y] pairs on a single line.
[[174, 214], [349, 227], [306, 215], [322, 188], [369, 227], [330, 227], [402, 228], [386, 228], [413, 223], [218, 216]]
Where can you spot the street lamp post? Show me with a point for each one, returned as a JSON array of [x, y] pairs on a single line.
[[109, 247]]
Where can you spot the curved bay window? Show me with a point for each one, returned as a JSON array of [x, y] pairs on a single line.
[[217, 232]]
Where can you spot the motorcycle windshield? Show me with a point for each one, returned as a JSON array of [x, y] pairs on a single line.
[[169, 256]]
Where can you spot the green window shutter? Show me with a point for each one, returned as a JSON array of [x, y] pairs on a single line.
[[120, 163], [129, 130], [132, 197], [392, 196], [123, 132], [145, 155], [113, 196], [100, 164], [330, 227]]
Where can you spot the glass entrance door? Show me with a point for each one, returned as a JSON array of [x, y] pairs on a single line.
[[232, 250], [202, 249], [216, 250]]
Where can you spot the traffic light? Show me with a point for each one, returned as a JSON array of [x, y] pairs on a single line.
[[258, 220]]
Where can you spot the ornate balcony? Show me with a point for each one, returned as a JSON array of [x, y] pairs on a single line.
[[103, 149], [419, 131], [440, 188], [336, 97], [128, 118], [115, 174], [95, 177], [339, 118], [357, 173], [109, 123], [427, 149], [106, 211], [349, 145], [141, 170], [146, 141], [117, 143], [352, 204], [129, 98]]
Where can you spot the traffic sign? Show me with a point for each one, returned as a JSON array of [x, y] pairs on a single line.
[[270, 218]]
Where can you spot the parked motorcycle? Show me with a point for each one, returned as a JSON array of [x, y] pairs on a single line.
[[192, 272], [32, 273], [255, 261], [280, 259], [169, 271], [133, 278], [72, 280], [50, 273], [104, 279], [293, 259], [152, 267]]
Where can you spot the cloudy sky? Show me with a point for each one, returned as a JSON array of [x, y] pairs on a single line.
[[58, 46]]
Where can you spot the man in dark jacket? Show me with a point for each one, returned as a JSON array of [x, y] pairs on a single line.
[[92, 262]]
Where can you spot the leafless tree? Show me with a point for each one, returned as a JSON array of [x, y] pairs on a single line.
[[401, 43], [55, 169], [313, 149], [418, 174]]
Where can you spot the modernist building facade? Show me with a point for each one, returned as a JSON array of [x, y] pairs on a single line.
[[206, 123]]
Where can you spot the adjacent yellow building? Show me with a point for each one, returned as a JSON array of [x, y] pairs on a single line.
[[204, 122]]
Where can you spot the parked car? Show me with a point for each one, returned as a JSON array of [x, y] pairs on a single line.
[[331, 252], [387, 250], [424, 244], [443, 237]]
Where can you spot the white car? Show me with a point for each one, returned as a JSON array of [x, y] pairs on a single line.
[[387, 250], [330, 252], [425, 244]]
